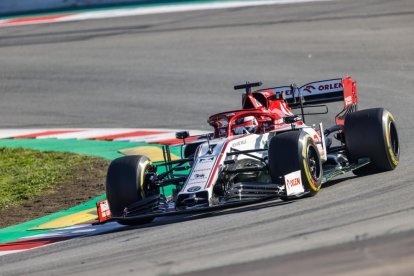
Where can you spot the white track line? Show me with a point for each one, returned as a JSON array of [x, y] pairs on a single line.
[[179, 8], [80, 230], [122, 12], [7, 252], [7, 133], [158, 137], [93, 133]]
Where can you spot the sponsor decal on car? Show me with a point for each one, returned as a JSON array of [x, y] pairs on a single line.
[[104, 213], [206, 160], [314, 88], [239, 143], [200, 173], [293, 183], [309, 88], [193, 189]]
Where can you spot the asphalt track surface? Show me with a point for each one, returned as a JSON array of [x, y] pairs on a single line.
[[173, 70]]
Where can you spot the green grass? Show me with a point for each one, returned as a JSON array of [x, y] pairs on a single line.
[[25, 174]]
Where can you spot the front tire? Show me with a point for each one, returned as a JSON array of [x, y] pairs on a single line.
[[372, 133], [292, 151], [126, 184]]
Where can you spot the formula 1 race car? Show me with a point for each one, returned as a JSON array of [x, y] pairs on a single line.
[[263, 151]]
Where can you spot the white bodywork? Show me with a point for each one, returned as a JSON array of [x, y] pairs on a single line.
[[210, 157]]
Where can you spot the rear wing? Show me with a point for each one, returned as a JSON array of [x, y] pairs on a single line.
[[326, 91]]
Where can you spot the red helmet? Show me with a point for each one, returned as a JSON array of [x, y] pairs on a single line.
[[244, 125]]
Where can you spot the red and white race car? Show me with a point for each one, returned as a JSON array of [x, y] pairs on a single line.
[[260, 152]]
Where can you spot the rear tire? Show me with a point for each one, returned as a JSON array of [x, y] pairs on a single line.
[[293, 151], [372, 133], [125, 184]]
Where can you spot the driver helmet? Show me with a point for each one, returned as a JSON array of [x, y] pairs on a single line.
[[245, 125]]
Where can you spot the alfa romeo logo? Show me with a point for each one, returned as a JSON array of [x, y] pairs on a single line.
[[193, 189]]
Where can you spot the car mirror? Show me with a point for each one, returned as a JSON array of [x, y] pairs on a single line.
[[182, 134]]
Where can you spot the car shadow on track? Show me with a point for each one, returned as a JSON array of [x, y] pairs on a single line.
[[194, 216]]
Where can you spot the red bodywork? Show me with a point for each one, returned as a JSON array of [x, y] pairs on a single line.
[[269, 111], [350, 97], [103, 211]]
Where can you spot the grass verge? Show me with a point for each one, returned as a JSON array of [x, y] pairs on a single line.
[[51, 179]]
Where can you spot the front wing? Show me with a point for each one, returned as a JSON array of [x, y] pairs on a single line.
[[147, 209]]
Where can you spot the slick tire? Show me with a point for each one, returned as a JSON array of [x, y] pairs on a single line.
[[372, 133], [292, 151], [125, 184]]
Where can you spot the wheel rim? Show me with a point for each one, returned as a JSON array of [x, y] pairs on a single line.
[[395, 147], [313, 163]]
